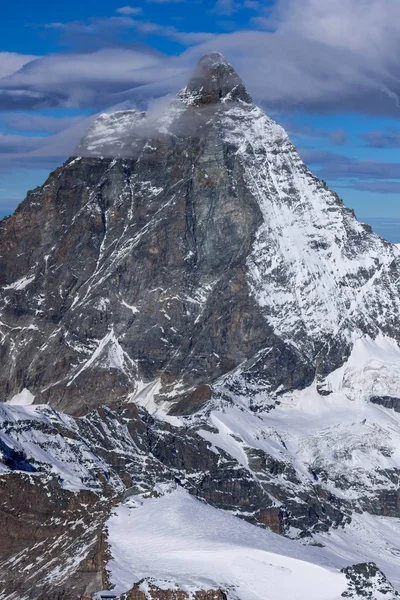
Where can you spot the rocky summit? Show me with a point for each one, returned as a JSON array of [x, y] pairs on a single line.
[[192, 324]]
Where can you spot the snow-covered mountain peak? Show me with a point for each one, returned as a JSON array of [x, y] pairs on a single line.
[[214, 83]]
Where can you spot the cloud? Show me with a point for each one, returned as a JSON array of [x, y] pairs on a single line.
[[389, 138], [101, 32], [10, 143], [381, 187], [35, 152], [335, 166], [11, 62], [336, 55], [288, 72], [337, 137], [365, 27], [305, 55], [33, 123], [227, 7], [129, 10], [82, 79]]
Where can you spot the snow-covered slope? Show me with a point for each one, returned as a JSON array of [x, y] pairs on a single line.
[[321, 277], [175, 540], [340, 441]]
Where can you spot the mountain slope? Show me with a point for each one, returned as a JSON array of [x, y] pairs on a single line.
[[183, 302], [180, 247]]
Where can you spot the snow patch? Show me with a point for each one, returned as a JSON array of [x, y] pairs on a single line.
[[24, 398], [20, 284], [145, 396]]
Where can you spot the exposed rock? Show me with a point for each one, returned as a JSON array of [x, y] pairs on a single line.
[[148, 591], [163, 255], [387, 402], [367, 581], [54, 539]]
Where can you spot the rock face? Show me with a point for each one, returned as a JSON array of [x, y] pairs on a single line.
[[146, 591], [367, 581], [175, 249], [188, 303], [50, 536]]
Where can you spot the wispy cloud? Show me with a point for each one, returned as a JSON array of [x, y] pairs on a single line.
[[386, 138], [129, 10], [308, 55], [34, 123], [304, 61], [337, 136], [380, 187], [11, 62], [82, 79], [335, 166], [229, 7]]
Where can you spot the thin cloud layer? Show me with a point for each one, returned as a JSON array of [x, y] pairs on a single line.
[[11, 62], [81, 80], [336, 166], [388, 138], [36, 123], [380, 187]]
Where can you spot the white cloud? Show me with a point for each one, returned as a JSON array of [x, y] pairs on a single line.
[[363, 26], [312, 54], [319, 55], [11, 62], [129, 10]]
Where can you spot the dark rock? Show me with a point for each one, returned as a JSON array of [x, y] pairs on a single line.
[[155, 593], [387, 402], [367, 581]]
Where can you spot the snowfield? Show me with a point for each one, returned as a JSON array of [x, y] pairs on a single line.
[[176, 539]]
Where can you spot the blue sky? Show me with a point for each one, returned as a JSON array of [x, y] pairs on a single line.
[[325, 69]]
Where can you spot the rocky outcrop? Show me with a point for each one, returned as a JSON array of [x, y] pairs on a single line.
[[367, 581], [387, 402], [55, 546], [145, 590]]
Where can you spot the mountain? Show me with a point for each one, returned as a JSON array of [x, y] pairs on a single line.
[[192, 322]]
